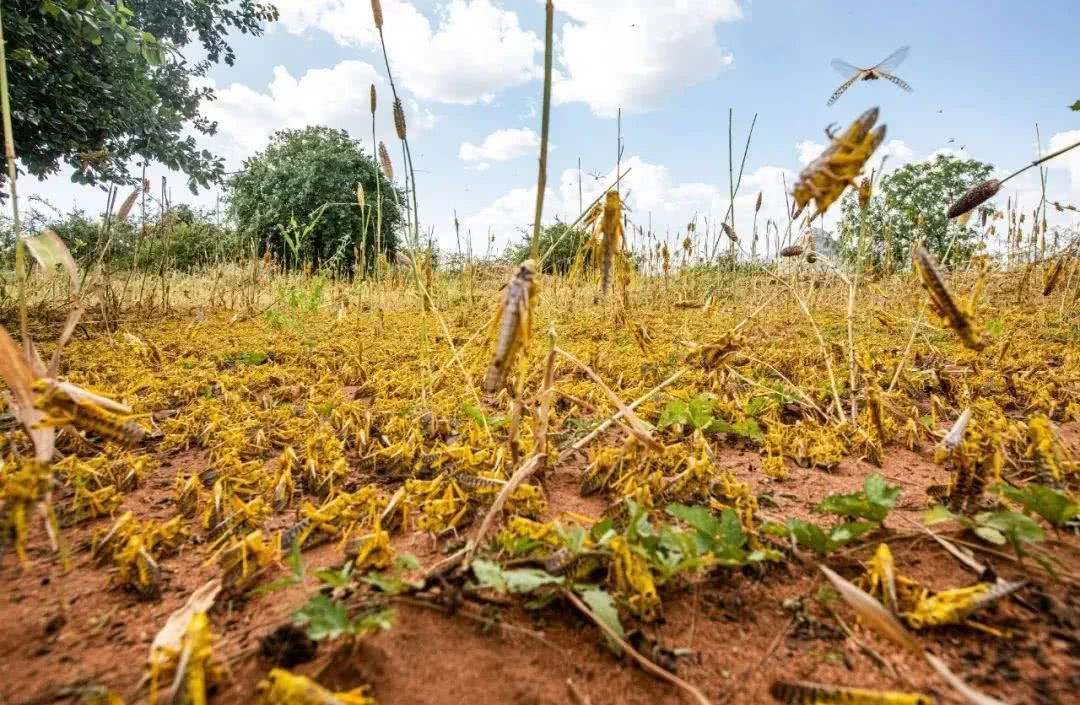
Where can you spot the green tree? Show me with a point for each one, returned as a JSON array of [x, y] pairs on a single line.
[[567, 242], [96, 83], [297, 199], [910, 206]]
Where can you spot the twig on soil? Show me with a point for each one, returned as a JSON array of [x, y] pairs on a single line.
[[619, 414], [575, 692], [645, 663]]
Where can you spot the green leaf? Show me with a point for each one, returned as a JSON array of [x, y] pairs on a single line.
[[937, 514], [700, 410], [880, 492], [602, 605], [756, 406], [379, 620], [1076, 105], [847, 532], [335, 578], [251, 358], [676, 412], [697, 516], [489, 575], [809, 536], [406, 561], [480, 418], [988, 534], [525, 580], [873, 503], [324, 618], [1017, 528], [1053, 505]]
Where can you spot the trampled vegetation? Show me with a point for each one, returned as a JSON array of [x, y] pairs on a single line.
[[311, 459]]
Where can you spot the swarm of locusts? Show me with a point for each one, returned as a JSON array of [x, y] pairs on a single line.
[[682, 419]]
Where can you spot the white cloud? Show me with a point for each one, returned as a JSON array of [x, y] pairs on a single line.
[[653, 194], [1070, 161], [635, 54], [335, 97], [500, 146], [476, 50]]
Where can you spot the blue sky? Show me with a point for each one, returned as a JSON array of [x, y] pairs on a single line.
[[983, 74]]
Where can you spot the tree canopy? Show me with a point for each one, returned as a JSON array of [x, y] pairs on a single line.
[[95, 83], [298, 199], [909, 205]]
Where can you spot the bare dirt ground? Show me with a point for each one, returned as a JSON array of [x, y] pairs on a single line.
[[742, 631]]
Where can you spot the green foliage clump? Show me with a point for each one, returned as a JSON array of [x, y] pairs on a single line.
[[567, 243], [910, 205], [864, 510], [297, 199], [97, 84]]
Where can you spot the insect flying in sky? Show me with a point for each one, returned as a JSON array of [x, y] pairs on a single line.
[[881, 70]]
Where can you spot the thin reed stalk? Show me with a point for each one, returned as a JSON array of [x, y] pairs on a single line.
[[541, 178]]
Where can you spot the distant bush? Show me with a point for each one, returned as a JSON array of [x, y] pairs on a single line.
[[567, 242], [297, 199], [181, 239]]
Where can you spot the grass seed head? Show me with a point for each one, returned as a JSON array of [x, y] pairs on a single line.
[[376, 12], [374, 102], [730, 232], [791, 251], [384, 159], [974, 197], [399, 119]]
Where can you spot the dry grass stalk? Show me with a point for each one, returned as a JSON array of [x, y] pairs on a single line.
[[943, 302], [514, 324], [873, 614], [645, 663]]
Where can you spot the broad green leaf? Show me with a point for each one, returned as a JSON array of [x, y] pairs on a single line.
[[809, 536], [881, 492], [676, 412], [489, 575], [480, 418], [938, 514], [987, 533], [378, 621], [324, 618], [525, 580], [1053, 505], [697, 516], [848, 531], [700, 409], [1017, 528], [602, 605]]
